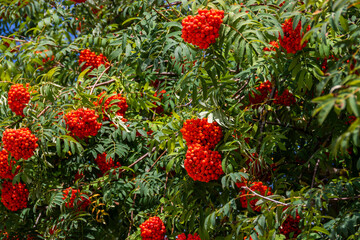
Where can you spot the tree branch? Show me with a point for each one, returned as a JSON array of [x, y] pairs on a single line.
[[263, 197]]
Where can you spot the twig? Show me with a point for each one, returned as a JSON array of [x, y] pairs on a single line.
[[161, 14], [97, 80], [132, 215], [344, 198], [43, 111], [266, 198], [187, 104], [315, 170], [13, 39], [13, 124], [167, 74], [166, 180], [37, 220], [157, 160], [242, 88]]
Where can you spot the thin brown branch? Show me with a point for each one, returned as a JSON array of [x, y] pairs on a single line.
[[242, 88], [43, 111], [315, 170], [344, 198], [162, 154], [13, 39], [97, 80], [161, 14], [263, 197]]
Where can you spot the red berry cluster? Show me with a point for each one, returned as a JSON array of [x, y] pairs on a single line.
[[5, 167], [189, 237], [18, 97], [350, 120], [82, 122], [201, 132], [324, 64], [153, 229], [159, 109], [78, 175], [20, 143], [291, 227], [292, 38], [78, 1], [46, 59], [113, 100], [203, 164], [272, 43], [105, 165], [255, 186], [82, 202], [203, 29], [14, 197], [90, 59], [285, 99]]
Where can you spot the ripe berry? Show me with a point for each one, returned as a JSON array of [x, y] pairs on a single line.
[[18, 98], [46, 59], [153, 229], [82, 122], [203, 29], [290, 227], [78, 1], [159, 109], [20, 143], [114, 100], [90, 59], [201, 132], [82, 202], [292, 38], [14, 197], [285, 99], [105, 165], [203, 164], [256, 187], [5, 167], [264, 89], [274, 44], [189, 237]]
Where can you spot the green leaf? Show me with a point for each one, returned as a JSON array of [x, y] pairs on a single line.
[[320, 229]]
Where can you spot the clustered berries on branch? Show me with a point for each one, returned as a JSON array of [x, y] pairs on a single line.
[[153, 229], [105, 165], [46, 59], [159, 109], [114, 100], [14, 197], [18, 98], [272, 43], [290, 227], [285, 99], [82, 201], [90, 59], [82, 122], [203, 29], [292, 37], [189, 237], [20, 143], [78, 1], [257, 187], [201, 132], [5, 167], [203, 164]]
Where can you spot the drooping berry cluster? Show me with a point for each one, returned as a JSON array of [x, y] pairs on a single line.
[[90, 59], [20, 143], [114, 100], [292, 38], [189, 237], [5, 167], [285, 99], [18, 97], [290, 227], [14, 197], [153, 229], [159, 109], [82, 122], [272, 43], [256, 187], [203, 164], [203, 29], [82, 201], [105, 164], [201, 132]]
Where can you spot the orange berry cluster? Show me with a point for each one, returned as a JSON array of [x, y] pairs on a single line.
[[153, 229], [90, 59], [248, 238], [82, 122], [20, 143], [5, 168], [256, 187], [201, 132], [113, 100], [203, 164], [159, 109], [189, 237], [18, 97], [82, 202], [14, 197], [203, 29], [272, 43], [292, 38], [291, 227], [105, 165], [285, 99]]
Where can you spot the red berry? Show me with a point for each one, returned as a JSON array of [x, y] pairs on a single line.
[[18, 98], [5, 167], [20, 143], [274, 44], [106, 164], [82, 202], [113, 100], [256, 187], [153, 229], [82, 122], [292, 38], [14, 197], [291, 227], [78, 1], [189, 237], [90, 59]]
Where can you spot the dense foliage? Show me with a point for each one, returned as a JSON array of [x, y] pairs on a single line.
[[100, 108]]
